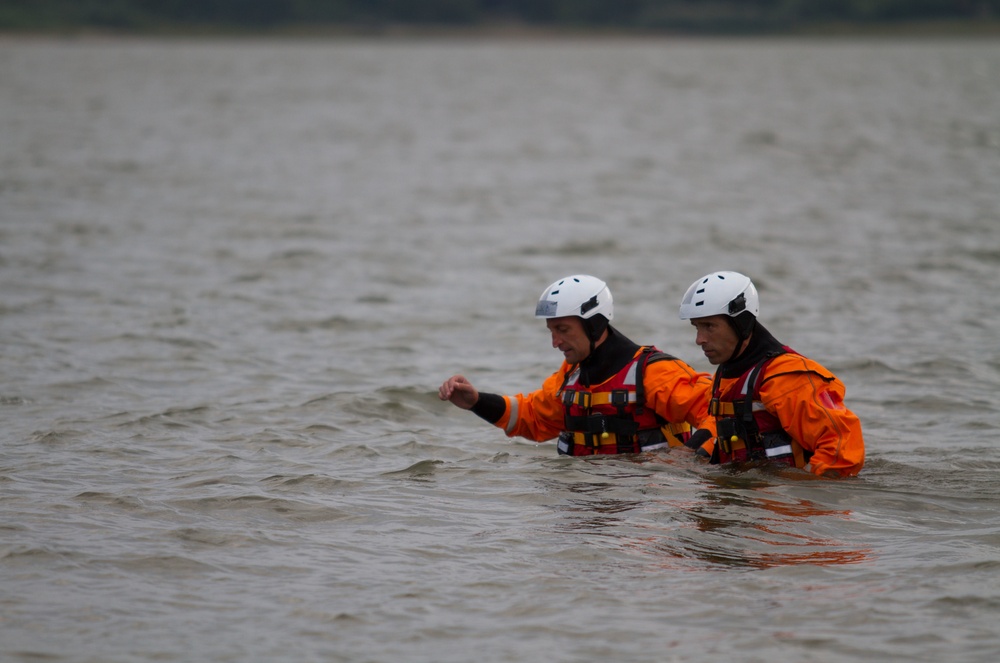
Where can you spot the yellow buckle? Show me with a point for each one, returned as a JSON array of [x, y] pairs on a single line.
[[595, 439], [717, 408]]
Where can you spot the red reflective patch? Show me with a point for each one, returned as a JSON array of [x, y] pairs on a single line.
[[831, 401]]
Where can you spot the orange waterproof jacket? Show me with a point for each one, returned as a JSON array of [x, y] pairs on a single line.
[[674, 390], [808, 400]]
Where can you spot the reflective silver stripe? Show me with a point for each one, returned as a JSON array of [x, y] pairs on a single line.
[[630, 376], [661, 445], [758, 407], [512, 421], [573, 377], [778, 451], [563, 446]]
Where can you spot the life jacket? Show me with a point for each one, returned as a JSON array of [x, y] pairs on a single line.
[[747, 431], [610, 418]]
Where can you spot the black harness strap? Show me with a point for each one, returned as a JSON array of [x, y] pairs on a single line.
[[743, 410]]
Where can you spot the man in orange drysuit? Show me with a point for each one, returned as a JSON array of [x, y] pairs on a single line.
[[610, 396], [769, 402]]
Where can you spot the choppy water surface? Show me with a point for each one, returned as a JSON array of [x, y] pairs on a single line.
[[233, 275]]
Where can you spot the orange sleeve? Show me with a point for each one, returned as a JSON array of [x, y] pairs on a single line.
[[809, 402], [537, 416], [678, 393]]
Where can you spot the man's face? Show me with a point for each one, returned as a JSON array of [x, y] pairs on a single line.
[[716, 337], [569, 338]]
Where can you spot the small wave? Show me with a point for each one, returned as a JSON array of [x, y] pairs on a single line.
[[936, 403], [396, 404], [221, 480], [56, 437], [13, 553], [312, 483], [336, 399], [373, 299], [866, 366], [574, 248], [296, 256], [421, 469], [166, 564], [350, 453], [297, 510], [95, 383], [173, 417], [175, 341], [970, 134], [332, 323], [989, 256], [963, 569], [125, 502], [216, 537], [408, 399], [955, 479]]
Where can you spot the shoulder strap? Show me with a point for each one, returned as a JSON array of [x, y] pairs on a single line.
[[570, 369], [752, 386], [753, 391], [753, 380]]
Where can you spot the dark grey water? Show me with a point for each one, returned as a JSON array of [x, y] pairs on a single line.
[[233, 275]]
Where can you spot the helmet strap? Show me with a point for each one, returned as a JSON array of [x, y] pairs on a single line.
[[594, 328], [743, 324]]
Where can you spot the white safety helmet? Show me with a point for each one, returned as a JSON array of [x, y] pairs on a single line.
[[722, 293], [580, 295]]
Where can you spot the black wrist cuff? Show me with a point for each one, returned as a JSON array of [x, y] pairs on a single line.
[[490, 407]]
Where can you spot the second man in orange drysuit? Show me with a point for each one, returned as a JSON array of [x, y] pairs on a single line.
[[769, 402]]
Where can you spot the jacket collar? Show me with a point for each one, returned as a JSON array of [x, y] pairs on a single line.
[[761, 346], [608, 358]]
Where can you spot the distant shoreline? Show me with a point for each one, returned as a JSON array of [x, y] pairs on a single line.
[[979, 28]]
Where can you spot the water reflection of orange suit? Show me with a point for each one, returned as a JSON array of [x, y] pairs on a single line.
[[807, 401], [738, 522], [776, 530]]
